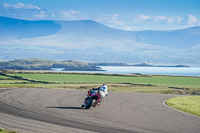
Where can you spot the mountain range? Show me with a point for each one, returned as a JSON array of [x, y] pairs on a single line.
[[87, 40]]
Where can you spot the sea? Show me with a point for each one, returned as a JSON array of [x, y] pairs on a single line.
[[176, 71]]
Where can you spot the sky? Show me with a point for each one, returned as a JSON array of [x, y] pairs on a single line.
[[129, 15]]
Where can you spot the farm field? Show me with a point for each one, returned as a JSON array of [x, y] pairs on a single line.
[[116, 82], [84, 78], [4, 77]]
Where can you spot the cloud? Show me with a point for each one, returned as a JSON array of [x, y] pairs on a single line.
[[140, 18], [179, 20], [42, 14], [191, 19], [114, 19], [72, 15], [22, 11], [33, 12], [158, 19], [138, 22], [147, 22], [187, 20], [20, 5], [171, 20]]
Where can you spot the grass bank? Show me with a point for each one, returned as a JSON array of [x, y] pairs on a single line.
[[189, 104], [6, 131]]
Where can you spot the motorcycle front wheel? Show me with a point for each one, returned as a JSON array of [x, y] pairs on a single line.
[[89, 103]]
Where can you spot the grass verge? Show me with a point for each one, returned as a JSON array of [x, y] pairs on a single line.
[[188, 104], [6, 131]]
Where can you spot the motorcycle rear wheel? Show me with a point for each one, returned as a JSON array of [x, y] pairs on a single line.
[[94, 103]]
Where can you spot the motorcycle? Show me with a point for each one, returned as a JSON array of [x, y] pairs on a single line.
[[92, 100]]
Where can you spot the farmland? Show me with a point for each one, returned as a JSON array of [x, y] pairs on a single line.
[[116, 82], [84, 78]]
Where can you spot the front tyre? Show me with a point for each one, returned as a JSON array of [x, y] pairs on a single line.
[[89, 104], [82, 105]]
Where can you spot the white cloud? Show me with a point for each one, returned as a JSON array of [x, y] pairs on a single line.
[[15, 6], [32, 12], [42, 14], [140, 18], [191, 19], [72, 15], [174, 20], [137, 22], [20, 5], [53, 14], [179, 20], [146, 22], [110, 19], [158, 19], [69, 14], [22, 11], [168, 20], [171, 20], [29, 6]]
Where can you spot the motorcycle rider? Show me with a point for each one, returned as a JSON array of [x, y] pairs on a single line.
[[103, 90]]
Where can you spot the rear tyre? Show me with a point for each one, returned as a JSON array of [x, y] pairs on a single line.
[[94, 103]]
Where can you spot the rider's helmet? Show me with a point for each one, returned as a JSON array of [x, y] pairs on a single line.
[[104, 86]]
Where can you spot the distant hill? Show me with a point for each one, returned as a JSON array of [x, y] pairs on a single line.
[[41, 64], [88, 40], [183, 38], [11, 28]]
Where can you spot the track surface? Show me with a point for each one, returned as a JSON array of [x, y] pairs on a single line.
[[50, 111]]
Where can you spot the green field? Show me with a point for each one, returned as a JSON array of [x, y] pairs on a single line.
[[189, 104], [4, 77], [82, 78], [7, 81], [116, 82]]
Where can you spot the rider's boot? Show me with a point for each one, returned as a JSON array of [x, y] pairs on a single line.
[[99, 103]]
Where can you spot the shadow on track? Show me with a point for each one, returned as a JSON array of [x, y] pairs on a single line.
[[66, 107]]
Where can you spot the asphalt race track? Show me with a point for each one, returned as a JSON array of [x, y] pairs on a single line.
[[58, 111]]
